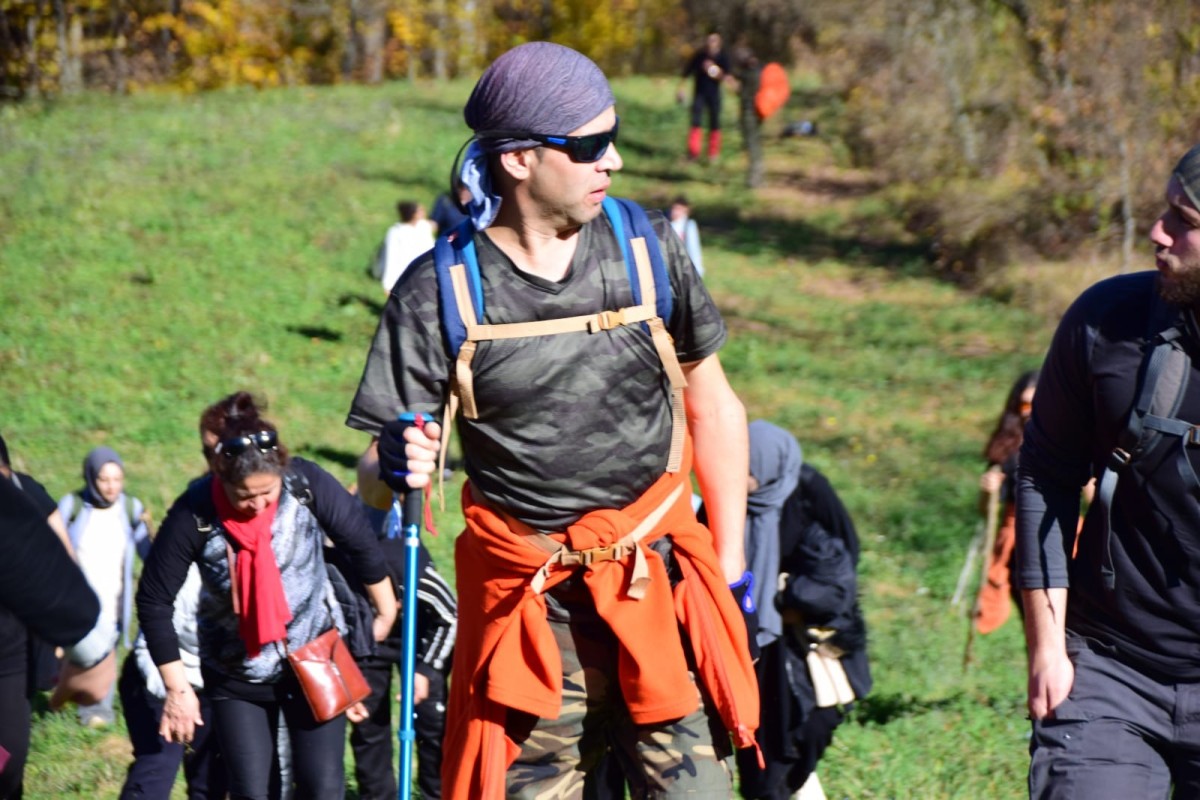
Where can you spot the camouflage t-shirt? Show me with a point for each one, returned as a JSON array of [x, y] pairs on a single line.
[[567, 423]]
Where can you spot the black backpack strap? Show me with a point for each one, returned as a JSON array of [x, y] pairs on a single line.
[[1162, 382], [201, 506], [297, 484]]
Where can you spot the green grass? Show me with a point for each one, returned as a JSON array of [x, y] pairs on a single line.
[[158, 252]]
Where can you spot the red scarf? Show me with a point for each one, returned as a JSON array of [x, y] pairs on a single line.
[[263, 611]]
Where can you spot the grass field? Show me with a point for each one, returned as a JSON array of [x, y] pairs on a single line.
[[159, 251]]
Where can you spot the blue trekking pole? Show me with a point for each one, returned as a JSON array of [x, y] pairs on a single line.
[[410, 513]]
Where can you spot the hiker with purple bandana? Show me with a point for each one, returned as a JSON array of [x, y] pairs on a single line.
[[567, 439], [1114, 648]]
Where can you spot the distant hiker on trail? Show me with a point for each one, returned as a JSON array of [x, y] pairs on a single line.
[[748, 73], [708, 69], [998, 485], [802, 548], [1114, 648], [680, 215], [595, 612], [405, 240]]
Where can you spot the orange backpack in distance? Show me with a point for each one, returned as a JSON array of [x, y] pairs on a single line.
[[773, 90]]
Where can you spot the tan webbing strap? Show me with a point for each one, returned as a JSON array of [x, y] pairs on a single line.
[[645, 272], [462, 295], [626, 545], [447, 420], [462, 387], [463, 381], [585, 323], [666, 353]]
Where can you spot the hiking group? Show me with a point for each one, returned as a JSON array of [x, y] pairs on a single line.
[[571, 337], [606, 641]]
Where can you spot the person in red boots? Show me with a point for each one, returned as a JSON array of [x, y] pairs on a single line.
[[708, 68]]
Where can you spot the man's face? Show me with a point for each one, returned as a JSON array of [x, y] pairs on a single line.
[[713, 43], [1176, 237], [567, 192]]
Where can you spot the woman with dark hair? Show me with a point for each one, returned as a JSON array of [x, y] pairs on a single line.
[[255, 527], [997, 485], [156, 762]]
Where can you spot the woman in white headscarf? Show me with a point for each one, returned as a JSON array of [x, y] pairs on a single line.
[[106, 528]]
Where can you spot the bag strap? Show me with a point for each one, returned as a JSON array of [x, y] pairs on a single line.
[[457, 248], [1162, 382], [74, 507], [234, 594], [462, 311], [456, 251], [625, 215]]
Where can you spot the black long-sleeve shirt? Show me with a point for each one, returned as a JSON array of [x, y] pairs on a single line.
[[1086, 388], [41, 588]]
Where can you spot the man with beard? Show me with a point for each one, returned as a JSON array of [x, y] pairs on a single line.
[[1114, 647]]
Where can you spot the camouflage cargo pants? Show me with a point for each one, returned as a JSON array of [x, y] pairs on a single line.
[[594, 747]]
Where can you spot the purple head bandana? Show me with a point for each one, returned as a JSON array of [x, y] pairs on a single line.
[[539, 87]]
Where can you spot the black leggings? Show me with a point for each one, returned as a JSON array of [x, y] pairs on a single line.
[[710, 102], [247, 730]]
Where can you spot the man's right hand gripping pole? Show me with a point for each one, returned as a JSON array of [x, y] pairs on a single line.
[[408, 454]]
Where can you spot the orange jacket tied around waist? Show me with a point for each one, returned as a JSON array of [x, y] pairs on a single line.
[[506, 655]]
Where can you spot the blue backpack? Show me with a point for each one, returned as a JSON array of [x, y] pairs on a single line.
[[629, 222], [460, 290]]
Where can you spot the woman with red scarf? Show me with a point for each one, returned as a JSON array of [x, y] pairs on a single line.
[[255, 527]]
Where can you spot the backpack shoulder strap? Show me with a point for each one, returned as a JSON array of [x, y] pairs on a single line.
[[630, 223], [297, 484], [1162, 381], [643, 255], [200, 505], [456, 250], [134, 509], [74, 506]]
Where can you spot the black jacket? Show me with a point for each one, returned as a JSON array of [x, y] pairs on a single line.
[[41, 587], [1085, 391]]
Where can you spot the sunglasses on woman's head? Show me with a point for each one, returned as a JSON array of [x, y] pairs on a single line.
[[235, 446], [581, 149]]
